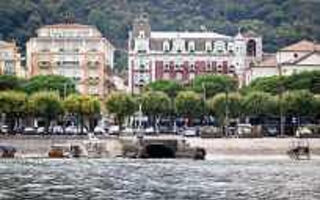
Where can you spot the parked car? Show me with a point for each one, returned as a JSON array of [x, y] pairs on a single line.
[[128, 131], [99, 130], [40, 130], [29, 130], [73, 130], [270, 130], [114, 130], [190, 132], [149, 131], [303, 132], [57, 130], [4, 129], [211, 132]]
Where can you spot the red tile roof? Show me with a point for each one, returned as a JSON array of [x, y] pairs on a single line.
[[303, 45]]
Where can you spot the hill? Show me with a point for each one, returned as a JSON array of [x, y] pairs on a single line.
[[279, 21]]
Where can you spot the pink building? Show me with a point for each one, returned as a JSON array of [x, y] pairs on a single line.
[[181, 56]]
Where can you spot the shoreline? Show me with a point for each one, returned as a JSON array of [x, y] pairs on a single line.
[[38, 146]]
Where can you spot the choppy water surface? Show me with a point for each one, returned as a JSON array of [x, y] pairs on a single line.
[[159, 179]]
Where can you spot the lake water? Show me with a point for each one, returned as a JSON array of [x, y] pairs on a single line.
[[159, 179]]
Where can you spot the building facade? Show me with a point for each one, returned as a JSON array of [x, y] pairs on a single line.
[[181, 56], [77, 51], [10, 60], [296, 58]]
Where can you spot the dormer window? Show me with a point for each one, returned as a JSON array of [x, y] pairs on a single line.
[[192, 46], [208, 46], [141, 34], [219, 46], [179, 45], [166, 46]]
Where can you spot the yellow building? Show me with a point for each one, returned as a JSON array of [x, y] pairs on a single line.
[[77, 51], [10, 60]]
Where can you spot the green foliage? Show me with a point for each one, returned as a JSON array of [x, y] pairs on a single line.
[[259, 103], [299, 103], [10, 83], [214, 84], [171, 88], [219, 104], [50, 83], [46, 105], [155, 104], [82, 105], [270, 85], [12, 102], [121, 105], [189, 104], [308, 80]]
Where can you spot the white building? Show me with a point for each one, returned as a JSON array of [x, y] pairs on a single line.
[[180, 56], [295, 58], [77, 51]]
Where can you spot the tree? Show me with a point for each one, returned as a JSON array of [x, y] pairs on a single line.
[[171, 88], [10, 83], [270, 85], [13, 104], [63, 85], [120, 105], [84, 107], [298, 103], [189, 104], [155, 105], [214, 84], [222, 103], [47, 105], [259, 104]]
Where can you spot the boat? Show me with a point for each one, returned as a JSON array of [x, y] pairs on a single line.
[[7, 151], [299, 150], [67, 151]]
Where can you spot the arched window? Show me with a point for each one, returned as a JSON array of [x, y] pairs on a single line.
[[166, 46], [251, 48]]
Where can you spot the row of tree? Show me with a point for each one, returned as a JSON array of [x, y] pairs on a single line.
[[219, 96], [63, 85], [190, 105], [48, 105]]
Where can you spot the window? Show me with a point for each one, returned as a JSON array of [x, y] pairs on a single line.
[[192, 46], [9, 68], [141, 34], [208, 46], [167, 67], [208, 66], [251, 48], [166, 46], [192, 67]]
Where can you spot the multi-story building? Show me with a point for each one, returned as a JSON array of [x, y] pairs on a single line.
[[298, 57], [181, 56], [10, 60], [77, 51]]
